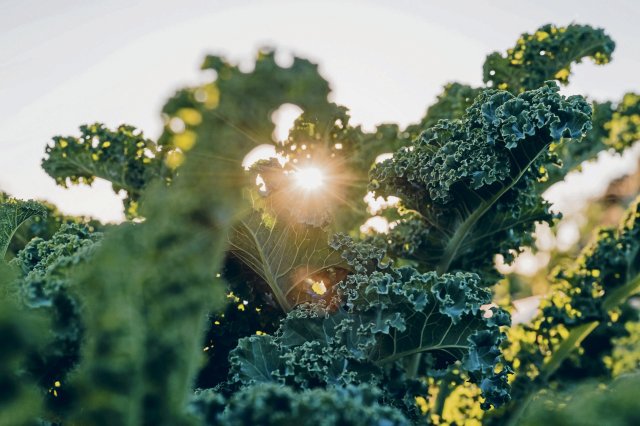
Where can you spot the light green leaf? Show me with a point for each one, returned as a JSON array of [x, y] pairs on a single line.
[[14, 213], [294, 259]]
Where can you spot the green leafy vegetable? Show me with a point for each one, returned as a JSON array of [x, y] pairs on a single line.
[[44, 285], [470, 183], [589, 294], [123, 157], [546, 54], [294, 259], [615, 128], [231, 299], [14, 213], [272, 405], [387, 316]]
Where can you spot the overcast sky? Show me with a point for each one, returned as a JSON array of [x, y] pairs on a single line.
[[65, 63]]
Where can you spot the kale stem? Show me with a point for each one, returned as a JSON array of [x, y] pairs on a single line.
[[414, 363], [444, 390], [454, 244], [579, 333], [576, 336]]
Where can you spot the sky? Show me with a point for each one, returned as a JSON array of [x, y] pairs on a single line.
[[69, 62]]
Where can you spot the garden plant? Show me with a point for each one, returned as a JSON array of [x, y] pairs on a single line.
[[259, 295]]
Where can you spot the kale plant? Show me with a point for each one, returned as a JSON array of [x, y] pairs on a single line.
[[235, 296]]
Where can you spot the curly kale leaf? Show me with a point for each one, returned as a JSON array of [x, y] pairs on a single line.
[[294, 259], [46, 225], [591, 293], [271, 405], [615, 128], [150, 285], [623, 128], [123, 157], [585, 301], [470, 184], [386, 317], [14, 213], [546, 54], [43, 257], [606, 273], [45, 285]]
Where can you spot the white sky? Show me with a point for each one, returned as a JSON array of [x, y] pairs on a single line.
[[69, 62]]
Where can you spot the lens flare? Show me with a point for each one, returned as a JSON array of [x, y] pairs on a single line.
[[309, 178]]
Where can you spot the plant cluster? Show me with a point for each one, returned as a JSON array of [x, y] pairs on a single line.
[[238, 297]]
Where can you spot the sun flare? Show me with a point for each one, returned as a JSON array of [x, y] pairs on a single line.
[[309, 178]]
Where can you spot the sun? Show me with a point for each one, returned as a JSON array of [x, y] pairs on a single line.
[[309, 178]]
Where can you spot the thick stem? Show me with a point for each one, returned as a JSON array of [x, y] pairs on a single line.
[[413, 365], [579, 333], [619, 295], [454, 244], [444, 391], [576, 336]]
